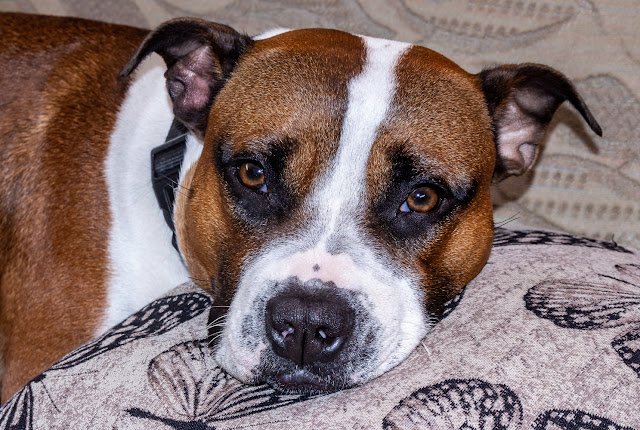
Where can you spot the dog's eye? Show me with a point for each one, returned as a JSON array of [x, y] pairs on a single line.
[[252, 176], [422, 199]]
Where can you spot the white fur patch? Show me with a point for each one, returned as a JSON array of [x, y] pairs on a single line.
[[335, 248], [270, 33], [143, 263], [191, 156]]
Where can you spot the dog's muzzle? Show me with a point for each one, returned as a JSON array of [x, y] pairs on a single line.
[[311, 329], [304, 330]]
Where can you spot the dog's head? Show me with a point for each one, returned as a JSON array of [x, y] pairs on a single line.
[[342, 193]]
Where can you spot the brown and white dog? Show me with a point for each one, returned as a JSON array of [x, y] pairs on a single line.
[[334, 190]]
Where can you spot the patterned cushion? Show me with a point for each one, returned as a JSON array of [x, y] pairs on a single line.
[[546, 337]]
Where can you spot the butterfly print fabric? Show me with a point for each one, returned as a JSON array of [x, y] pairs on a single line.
[[546, 337]]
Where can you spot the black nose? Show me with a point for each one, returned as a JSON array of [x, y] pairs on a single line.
[[308, 327]]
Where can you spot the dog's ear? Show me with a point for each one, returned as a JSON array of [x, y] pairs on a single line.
[[200, 57], [521, 99]]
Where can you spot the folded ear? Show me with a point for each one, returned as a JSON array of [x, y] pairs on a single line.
[[200, 57], [521, 99]]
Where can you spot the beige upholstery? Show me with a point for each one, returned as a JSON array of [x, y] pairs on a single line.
[[546, 337]]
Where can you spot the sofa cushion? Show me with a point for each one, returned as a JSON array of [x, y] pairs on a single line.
[[547, 336]]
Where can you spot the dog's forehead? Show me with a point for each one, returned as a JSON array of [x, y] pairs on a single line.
[[293, 83], [438, 117], [299, 86]]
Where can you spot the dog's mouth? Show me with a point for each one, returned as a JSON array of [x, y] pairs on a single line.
[[302, 381]]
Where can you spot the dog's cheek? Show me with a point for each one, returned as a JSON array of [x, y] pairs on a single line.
[[212, 242], [184, 230], [460, 254], [200, 226]]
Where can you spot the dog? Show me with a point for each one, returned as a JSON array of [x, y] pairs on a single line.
[[334, 189]]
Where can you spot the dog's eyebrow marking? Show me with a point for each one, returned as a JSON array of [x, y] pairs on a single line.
[[412, 167], [370, 95]]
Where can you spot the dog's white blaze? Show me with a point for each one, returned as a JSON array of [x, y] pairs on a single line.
[[370, 95], [395, 301], [337, 203], [143, 265]]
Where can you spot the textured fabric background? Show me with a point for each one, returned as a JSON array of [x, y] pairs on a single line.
[[546, 337], [582, 184]]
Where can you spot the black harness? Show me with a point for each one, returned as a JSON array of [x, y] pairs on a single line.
[[166, 161]]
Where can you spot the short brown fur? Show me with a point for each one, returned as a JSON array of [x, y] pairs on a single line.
[[52, 290]]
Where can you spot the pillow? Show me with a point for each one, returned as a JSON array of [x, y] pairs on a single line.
[[546, 337]]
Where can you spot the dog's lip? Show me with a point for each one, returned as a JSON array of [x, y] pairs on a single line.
[[301, 381]]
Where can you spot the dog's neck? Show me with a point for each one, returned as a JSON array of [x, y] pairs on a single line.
[[142, 263]]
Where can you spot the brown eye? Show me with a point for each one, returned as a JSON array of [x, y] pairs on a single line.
[[251, 175], [422, 199]]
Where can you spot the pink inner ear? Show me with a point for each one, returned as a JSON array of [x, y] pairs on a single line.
[[522, 99], [518, 139], [190, 83], [518, 149]]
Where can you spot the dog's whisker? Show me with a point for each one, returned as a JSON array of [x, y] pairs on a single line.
[[216, 324], [177, 191], [173, 181], [216, 337], [508, 220], [505, 222], [182, 193], [425, 348], [221, 317], [219, 324], [213, 340]]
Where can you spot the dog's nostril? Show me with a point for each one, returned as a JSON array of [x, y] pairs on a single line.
[[308, 327], [287, 332], [330, 344], [280, 330]]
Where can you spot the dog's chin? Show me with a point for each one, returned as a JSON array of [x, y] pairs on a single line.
[[304, 382]]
